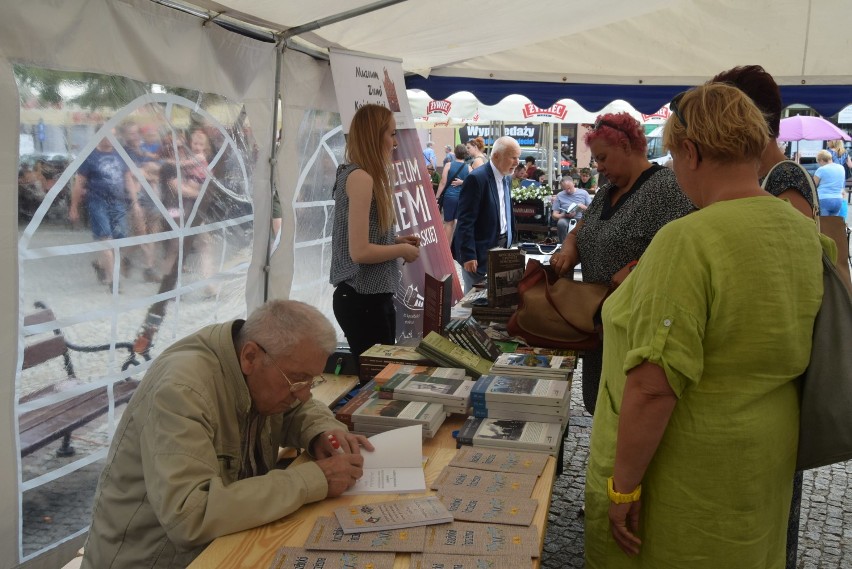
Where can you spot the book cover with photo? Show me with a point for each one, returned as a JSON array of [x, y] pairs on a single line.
[[519, 435], [520, 390], [505, 269]]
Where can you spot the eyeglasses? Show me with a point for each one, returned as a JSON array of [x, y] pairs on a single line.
[[674, 106], [299, 385]]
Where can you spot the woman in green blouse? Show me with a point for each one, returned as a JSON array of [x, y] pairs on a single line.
[[695, 435]]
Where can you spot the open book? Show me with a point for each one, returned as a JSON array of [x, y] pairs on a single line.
[[569, 208], [396, 466]]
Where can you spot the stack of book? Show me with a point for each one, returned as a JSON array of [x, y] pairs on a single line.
[[392, 370], [521, 398], [378, 415], [447, 354], [517, 435], [467, 333], [344, 413], [453, 394], [534, 365], [374, 359]]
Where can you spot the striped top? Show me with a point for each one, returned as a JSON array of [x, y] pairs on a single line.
[[374, 278]]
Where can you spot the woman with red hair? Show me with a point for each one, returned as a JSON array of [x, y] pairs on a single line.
[[623, 217]]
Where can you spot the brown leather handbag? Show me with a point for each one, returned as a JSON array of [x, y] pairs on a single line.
[[556, 312]]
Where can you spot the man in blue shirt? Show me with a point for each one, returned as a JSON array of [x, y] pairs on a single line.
[[569, 204], [429, 155]]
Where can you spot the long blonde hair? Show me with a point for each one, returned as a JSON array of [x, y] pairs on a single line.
[[365, 148], [837, 146]]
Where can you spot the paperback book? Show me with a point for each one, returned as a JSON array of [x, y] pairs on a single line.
[[328, 535], [467, 333], [391, 413], [344, 413], [437, 300], [522, 413], [533, 365], [290, 557], [375, 358], [499, 460], [392, 370], [454, 479], [505, 269], [396, 464], [418, 387], [397, 514], [469, 538], [519, 390], [472, 507], [448, 354], [438, 561], [518, 435]]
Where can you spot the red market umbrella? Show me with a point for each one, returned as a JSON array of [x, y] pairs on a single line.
[[803, 127]]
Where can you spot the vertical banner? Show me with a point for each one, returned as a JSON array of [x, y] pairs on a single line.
[[360, 80]]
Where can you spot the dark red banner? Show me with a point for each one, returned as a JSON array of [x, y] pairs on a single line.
[[417, 213]]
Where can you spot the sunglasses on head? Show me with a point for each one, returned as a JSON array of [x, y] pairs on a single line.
[[674, 106], [601, 123]]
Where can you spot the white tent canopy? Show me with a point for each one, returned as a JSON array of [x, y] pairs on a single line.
[[616, 42]]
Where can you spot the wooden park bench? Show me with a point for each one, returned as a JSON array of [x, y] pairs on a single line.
[[44, 425]]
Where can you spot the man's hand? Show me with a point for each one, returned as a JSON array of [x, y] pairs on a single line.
[[471, 266], [341, 471], [624, 525], [349, 443]]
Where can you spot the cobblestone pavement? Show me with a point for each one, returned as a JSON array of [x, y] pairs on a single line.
[[825, 531]]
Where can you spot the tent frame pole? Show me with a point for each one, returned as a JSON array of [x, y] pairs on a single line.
[[277, 103], [328, 20]]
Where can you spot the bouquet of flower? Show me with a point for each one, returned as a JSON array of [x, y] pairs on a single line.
[[531, 192]]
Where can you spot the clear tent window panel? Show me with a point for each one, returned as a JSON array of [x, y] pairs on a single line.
[[135, 228]]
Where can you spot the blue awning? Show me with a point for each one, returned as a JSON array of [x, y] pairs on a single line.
[[827, 100]]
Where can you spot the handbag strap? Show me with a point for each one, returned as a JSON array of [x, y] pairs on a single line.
[[814, 198], [451, 178]]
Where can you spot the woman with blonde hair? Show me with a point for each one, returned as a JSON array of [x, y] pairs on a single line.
[[694, 442], [364, 246]]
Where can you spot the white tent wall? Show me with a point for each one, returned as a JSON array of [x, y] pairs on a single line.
[[145, 42], [311, 148]]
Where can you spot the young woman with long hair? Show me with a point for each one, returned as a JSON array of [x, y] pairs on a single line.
[[365, 248]]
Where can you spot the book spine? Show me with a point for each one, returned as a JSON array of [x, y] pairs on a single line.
[[344, 415]]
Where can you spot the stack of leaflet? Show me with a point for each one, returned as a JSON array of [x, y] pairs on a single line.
[[521, 399], [377, 415], [453, 394], [534, 365]]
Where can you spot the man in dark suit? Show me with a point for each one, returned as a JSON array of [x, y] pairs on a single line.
[[485, 211]]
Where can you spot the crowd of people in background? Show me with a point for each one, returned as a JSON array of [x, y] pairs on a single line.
[[143, 177]]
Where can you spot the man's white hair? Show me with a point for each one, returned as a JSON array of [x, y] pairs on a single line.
[[502, 144], [281, 325]]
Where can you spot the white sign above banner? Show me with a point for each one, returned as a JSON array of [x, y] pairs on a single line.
[[369, 80]]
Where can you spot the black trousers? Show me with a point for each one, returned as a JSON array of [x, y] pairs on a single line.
[[366, 319]]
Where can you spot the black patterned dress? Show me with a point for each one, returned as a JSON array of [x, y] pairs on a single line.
[[614, 235]]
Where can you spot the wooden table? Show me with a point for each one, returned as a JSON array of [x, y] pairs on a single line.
[[256, 548]]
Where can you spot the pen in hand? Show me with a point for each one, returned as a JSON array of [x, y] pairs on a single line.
[[335, 444]]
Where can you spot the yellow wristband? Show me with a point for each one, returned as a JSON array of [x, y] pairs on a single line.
[[617, 497]]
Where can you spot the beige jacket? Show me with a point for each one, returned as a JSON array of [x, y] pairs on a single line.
[[171, 484]]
